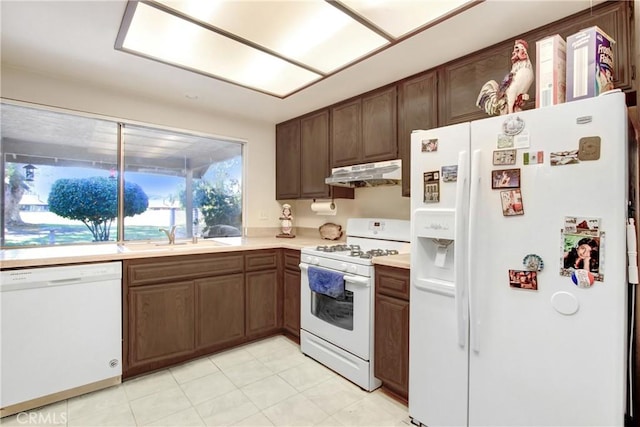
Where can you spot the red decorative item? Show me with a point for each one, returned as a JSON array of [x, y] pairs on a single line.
[[511, 94]]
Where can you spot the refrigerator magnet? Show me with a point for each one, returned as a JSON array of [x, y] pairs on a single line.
[[582, 278], [505, 141], [431, 187], [511, 202], [522, 279], [589, 148], [588, 226], [562, 158], [429, 145], [504, 157], [532, 157], [450, 173], [582, 252], [521, 141], [533, 262], [505, 178], [513, 126]]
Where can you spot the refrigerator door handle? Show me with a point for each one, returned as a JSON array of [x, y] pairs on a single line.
[[474, 316], [460, 279]]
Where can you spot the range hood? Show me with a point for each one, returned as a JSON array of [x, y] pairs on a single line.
[[367, 175]]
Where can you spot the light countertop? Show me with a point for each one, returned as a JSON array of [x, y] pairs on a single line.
[[73, 254], [400, 261]]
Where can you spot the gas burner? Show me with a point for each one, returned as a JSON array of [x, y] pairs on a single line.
[[356, 252], [374, 252], [337, 248]]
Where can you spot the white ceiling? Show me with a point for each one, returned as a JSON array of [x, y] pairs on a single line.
[[75, 40]]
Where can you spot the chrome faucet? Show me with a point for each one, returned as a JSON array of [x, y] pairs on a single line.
[[171, 234]]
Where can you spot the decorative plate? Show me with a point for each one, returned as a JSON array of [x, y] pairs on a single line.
[[330, 231], [513, 126]]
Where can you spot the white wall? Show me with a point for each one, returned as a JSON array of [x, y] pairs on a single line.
[[261, 208]]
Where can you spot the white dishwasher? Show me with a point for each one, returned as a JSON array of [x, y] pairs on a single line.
[[61, 333]]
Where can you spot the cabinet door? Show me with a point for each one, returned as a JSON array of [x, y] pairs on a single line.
[[392, 281], [417, 109], [291, 310], [288, 160], [161, 322], [391, 363], [346, 133], [262, 302], [219, 310], [314, 165], [379, 126]]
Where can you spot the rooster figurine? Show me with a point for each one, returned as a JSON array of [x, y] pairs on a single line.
[[511, 94]]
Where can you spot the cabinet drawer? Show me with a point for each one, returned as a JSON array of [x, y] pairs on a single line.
[[292, 260], [261, 260], [392, 281], [170, 269]]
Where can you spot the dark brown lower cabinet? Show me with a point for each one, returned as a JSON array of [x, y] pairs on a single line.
[[220, 310], [161, 322], [291, 288], [391, 351], [262, 302], [183, 307]]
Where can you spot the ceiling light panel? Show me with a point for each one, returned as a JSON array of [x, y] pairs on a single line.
[[162, 36], [310, 32], [400, 17]]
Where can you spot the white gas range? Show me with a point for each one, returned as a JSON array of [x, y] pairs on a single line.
[[338, 331]]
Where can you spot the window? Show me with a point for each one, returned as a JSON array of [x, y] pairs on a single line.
[[61, 180]]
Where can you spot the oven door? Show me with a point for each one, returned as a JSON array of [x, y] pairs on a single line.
[[346, 322]]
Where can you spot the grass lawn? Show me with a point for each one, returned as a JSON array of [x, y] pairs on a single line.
[[49, 234]]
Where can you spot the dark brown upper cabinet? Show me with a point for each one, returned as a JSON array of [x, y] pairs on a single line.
[[417, 109], [288, 160], [460, 81], [364, 129], [302, 159]]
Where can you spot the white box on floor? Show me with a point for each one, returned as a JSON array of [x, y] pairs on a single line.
[[551, 62]]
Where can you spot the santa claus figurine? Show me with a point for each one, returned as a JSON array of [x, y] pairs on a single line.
[[511, 94]]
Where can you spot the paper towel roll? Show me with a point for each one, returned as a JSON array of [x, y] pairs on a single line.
[[324, 208]]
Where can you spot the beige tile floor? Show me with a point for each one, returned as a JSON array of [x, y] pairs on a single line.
[[265, 383]]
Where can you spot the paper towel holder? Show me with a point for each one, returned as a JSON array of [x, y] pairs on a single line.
[[333, 205]]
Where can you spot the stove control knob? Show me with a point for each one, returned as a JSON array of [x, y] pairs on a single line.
[[315, 261], [343, 266], [353, 269]]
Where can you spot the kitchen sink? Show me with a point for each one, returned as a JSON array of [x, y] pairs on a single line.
[[164, 246]]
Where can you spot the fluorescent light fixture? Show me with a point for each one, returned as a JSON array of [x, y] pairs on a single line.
[[401, 17], [277, 47]]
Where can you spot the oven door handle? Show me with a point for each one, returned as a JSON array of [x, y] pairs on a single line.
[[365, 282], [356, 280]]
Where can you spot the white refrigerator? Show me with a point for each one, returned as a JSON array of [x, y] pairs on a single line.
[[518, 303]]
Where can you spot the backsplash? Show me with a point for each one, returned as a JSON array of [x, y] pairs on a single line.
[[379, 202]]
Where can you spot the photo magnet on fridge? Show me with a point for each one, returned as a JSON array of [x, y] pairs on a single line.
[[450, 173], [523, 279], [587, 226], [505, 178], [562, 158], [582, 252], [429, 145], [431, 187], [511, 202], [589, 148], [504, 157]]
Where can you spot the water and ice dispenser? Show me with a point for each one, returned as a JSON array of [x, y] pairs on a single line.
[[434, 234]]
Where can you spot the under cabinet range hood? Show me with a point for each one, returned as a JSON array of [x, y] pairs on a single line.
[[367, 175]]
